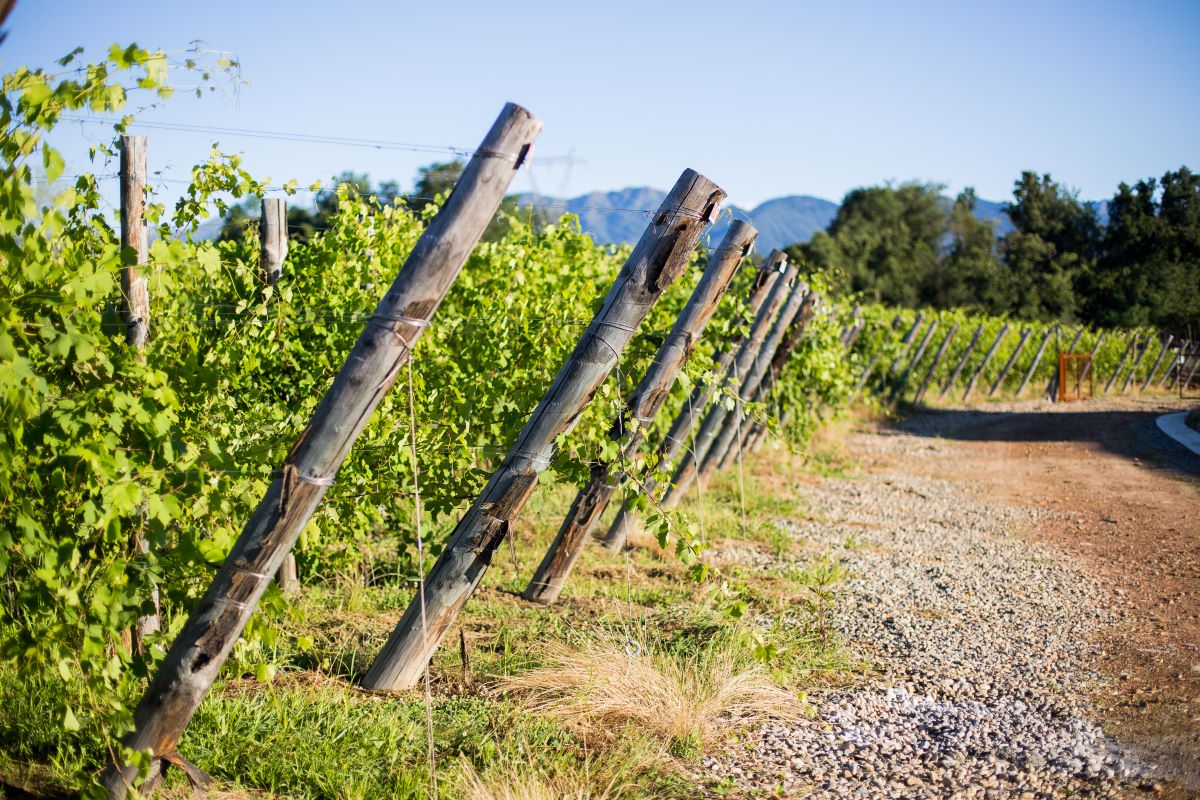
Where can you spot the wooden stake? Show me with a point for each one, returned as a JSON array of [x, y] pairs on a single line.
[[1120, 364], [1087, 368], [273, 230], [906, 345], [736, 421], [766, 381], [962, 361], [1141, 353], [1037, 358], [673, 444], [630, 428], [987, 359], [916, 359], [1157, 362], [937, 359], [1175, 365], [658, 259], [1008, 365], [685, 473], [135, 290], [382, 348]]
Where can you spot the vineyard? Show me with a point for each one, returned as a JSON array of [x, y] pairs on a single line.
[[515, 374]]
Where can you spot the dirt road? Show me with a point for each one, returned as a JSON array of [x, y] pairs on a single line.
[[1126, 507]]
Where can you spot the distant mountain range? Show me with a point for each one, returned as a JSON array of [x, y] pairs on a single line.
[[612, 217]]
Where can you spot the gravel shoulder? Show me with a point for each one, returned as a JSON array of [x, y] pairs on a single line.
[[1007, 642]]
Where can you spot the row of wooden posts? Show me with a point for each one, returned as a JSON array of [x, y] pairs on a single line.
[[779, 303], [1179, 371]]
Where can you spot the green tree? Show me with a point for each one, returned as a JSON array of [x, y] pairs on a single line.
[[1054, 244], [1149, 273], [969, 275]]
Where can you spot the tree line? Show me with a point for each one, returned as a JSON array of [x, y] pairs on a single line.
[[910, 245]]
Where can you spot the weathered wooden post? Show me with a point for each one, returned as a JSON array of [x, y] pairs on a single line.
[[767, 382], [711, 422], [135, 289], [1087, 368], [1052, 387], [962, 361], [987, 359], [273, 232], [217, 620], [1186, 384], [135, 305], [916, 359], [1141, 353], [734, 425], [854, 334], [1037, 358], [659, 258], [905, 345], [1008, 365], [937, 359], [1158, 361], [1120, 364], [1175, 364], [673, 444], [647, 399]]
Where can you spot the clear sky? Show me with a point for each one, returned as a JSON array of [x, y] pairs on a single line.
[[766, 98]]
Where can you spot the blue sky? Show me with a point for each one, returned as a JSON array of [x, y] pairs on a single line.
[[766, 98]]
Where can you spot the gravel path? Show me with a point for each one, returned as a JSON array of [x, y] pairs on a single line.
[[979, 640]]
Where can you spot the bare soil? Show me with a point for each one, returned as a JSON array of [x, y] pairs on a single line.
[[1125, 502]]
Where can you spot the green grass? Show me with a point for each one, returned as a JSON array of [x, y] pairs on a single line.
[[308, 733]]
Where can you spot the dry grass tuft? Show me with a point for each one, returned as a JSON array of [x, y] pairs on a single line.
[[519, 785], [601, 689]]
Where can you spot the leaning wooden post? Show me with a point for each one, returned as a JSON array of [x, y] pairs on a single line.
[[916, 359], [905, 345], [1175, 364], [768, 383], [1186, 384], [274, 235], [382, 348], [673, 443], [135, 305], [962, 362], [1037, 358], [937, 359], [1141, 353], [859, 327], [658, 259], [1052, 386], [1157, 362], [651, 392], [736, 420], [135, 289], [987, 359], [1087, 368], [1120, 364], [714, 418], [1008, 365]]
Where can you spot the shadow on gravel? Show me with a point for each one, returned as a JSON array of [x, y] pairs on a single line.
[[1131, 434]]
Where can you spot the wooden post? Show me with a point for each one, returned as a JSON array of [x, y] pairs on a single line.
[[1158, 361], [1120, 364], [1174, 365], [1087, 368], [1011, 360], [658, 259], [1052, 388], [937, 359], [673, 444], [987, 359], [135, 306], [274, 234], [1037, 358], [135, 290], [768, 381], [736, 420], [962, 362], [651, 392], [1186, 384], [710, 425], [906, 345], [854, 334], [371, 367], [1141, 353], [916, 359]]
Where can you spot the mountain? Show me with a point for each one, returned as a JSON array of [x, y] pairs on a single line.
[[618, 216]]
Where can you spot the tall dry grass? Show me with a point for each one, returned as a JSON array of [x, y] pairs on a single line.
[[696, 696], [516, 784]]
